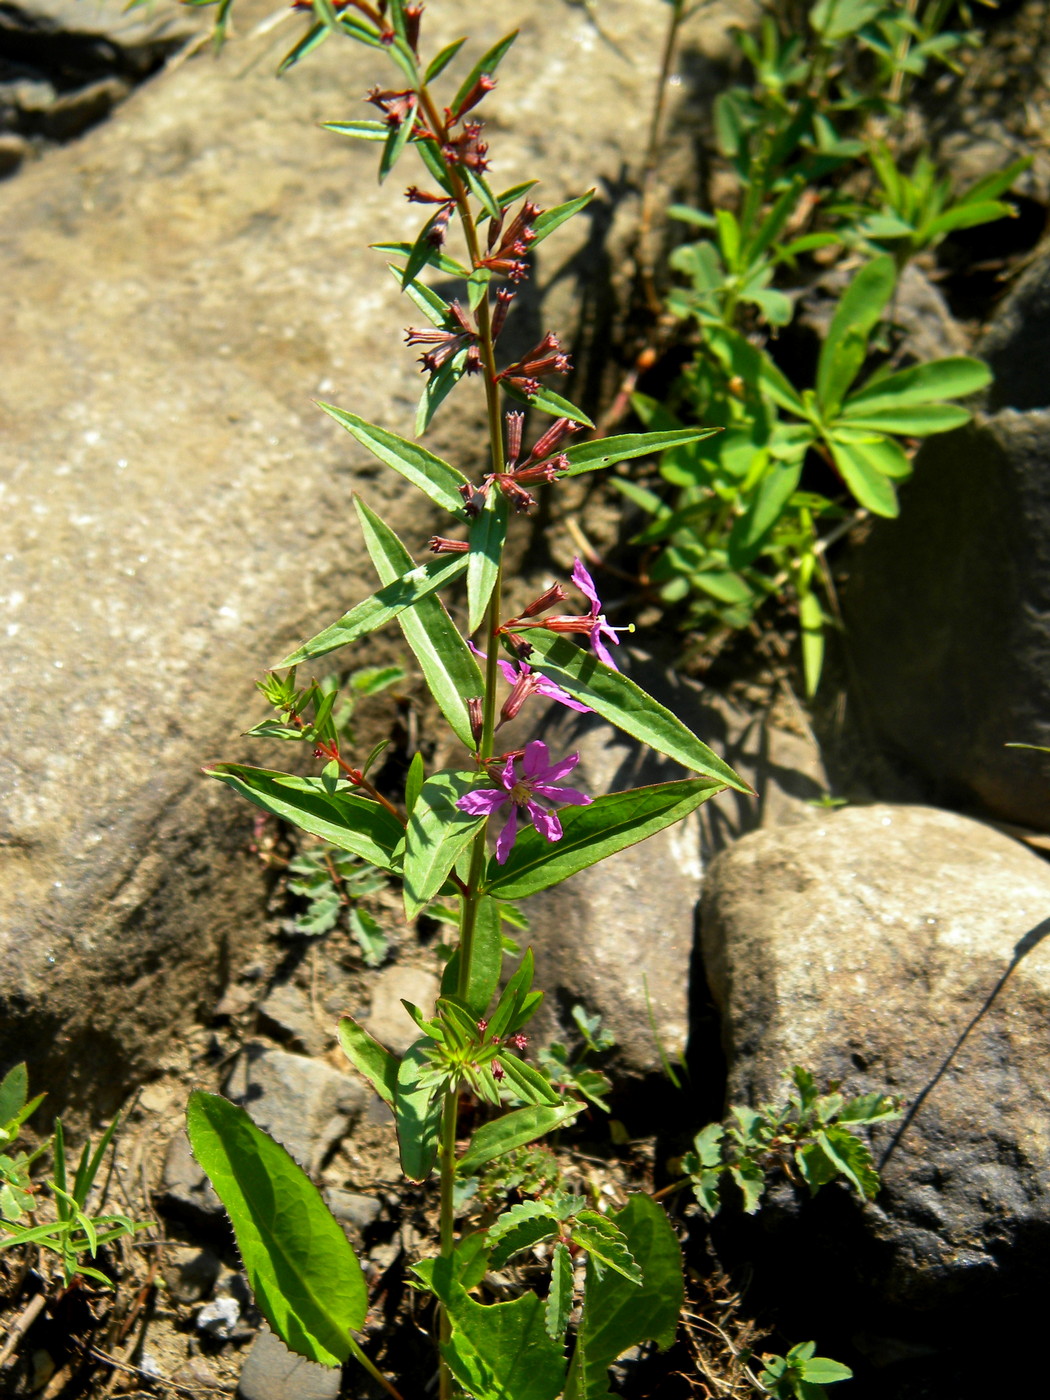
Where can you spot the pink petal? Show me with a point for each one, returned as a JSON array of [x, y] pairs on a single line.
[[558, 770], [507, 777], [572, 796], [506, 836], [546, 823], [555, 692], [536, 758], [583, 581], [482, 801], [601, 651], [510, 671]]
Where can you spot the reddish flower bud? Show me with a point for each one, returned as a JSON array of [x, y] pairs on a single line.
[[438, 544], [476, 715], [555, 594], [515, 423], [481, 88], [497, 1070], [504, 297], [413, 15]]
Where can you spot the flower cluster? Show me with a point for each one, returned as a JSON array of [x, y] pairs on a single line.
[[518, 793]]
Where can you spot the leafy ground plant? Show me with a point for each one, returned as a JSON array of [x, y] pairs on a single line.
[[435, 836]]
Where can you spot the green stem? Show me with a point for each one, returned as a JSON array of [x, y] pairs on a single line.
[[449, 1113], [374, 1371]]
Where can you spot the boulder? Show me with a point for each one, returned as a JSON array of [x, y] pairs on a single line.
[[180, 283], [901, 950]]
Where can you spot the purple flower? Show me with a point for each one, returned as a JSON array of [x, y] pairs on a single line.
[[539, 778], [524, 681], [599, 627]]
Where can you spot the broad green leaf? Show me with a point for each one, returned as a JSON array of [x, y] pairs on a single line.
[[417, 1113], [846, 345], [514, 1129], [617, 1314], [605, 1242], [435, 478], [437, 832], [13, 1091], [544, 224], [559, 1297], [444, 657], [486, 64], [626, 705], [611, 823], [852, 1158], [499, 1351], [488, 531], [966, 216], [365, 131], [870, 486], [951, 378], [920, 421], [305, 1278], [870, 1108], [751, 1181], [369, 1058], [606, 452], [382, 607], [355, 824], [486, 961], [821, 1370]]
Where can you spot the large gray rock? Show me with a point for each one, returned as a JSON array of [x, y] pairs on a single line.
[[272, 1372], [902, 949], [618, 937], [179, 284]]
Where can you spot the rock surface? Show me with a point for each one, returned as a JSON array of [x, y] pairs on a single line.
[[388, 1020], [904, 950], [180, 283], [619, 937], [272, 1372], [185, 1192], [305, 1104]]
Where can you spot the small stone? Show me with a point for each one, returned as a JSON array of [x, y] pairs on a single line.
[[220, 1317], [196, 1374], [185, 1191], [272, 1372], [389, 1022], [305, 1104], [383, 1255], [234, 1000], [352, 1209], [190, 1273], [286, 1014]]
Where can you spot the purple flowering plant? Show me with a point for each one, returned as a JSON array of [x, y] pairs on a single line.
[[437, 836]]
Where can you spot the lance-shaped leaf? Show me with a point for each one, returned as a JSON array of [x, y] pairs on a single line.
[[550, 402], [544, 224], [437, 832], [609, 824], [369, 1058], [951, 378], [626, 705], [617, 1314], [382, 607], [869, 484], [486, 960], [486, 64], [444, 657], [364, 131], [605, 452], [437, 479], [487, 535], [498, 1351], [355, 824], [305, 1278], [514, 1129], [859, 309], [417, 1113]]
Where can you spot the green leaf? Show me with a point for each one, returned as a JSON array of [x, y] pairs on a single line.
[[382, 607], [486, 962], [305, 1278], [846, 345], [486, 64], [743, 360], [870, 486], [355, 824], [549, 402], [852, 1158], [417, 1112], [437, 389], [751, 1181], [920, 421], [528, 1083], [617, 1315], [559, 1297], [520, 1228], [14, 1089], [312, 39], [436, 834], [413, 782], [626, 705], [870, 1108], [951, 378], [966, 216], [369, 1058], [441, 60], [609, 824], [544, 224], [514, 1129], [605, 1242], [500, 1351], [365, 131], [444, 657], [488, 532], [435, 478], [765, 508], [396, 141], [606, 452], [821, 1370], [506, 1017], [479, 188]]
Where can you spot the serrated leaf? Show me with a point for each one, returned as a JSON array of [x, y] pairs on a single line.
[[605, 1242], [436, 834], [590, 834], [355, 824], [751, 1181], [852, 1158], [524, 1235], [617, 699], [606, 452], [382, 607], [369, 1058], [559, 1296], [445, 659], [514, 1129], [434, 477], [417, 1113], [870, 1108], [304, 1276]]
